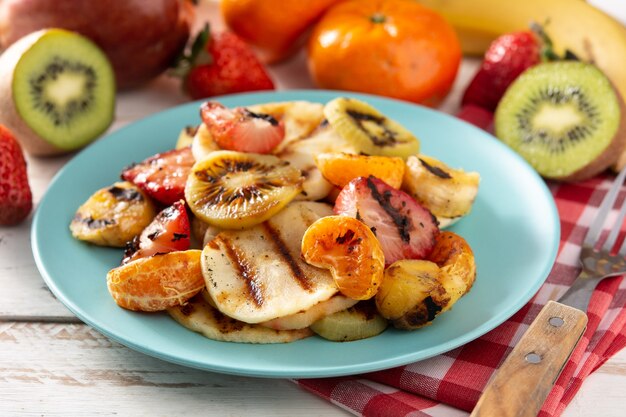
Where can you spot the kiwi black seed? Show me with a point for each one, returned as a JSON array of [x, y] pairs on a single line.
[[564, 118], [63, 89]]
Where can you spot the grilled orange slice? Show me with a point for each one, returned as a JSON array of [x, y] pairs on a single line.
[[157, 282], [350, 250], [340, 168]]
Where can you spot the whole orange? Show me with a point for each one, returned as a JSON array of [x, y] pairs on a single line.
[[394, 48], [273, 27]]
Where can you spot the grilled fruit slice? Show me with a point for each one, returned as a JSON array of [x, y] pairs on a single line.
[[202, 143], [355, 323], [157, 282], [350, 250], [369, 130], [447, 192], [168, 232], [198, 315], [113, 215], [163, 175], [256, 275], [241, 129], [411, 294], [341, 168], [301, 154], [457, 266], [405, 229], [305, 318], [235, 190], [185, 137]]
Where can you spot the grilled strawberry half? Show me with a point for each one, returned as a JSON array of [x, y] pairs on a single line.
[[162, 176], [240, 129], [168, 232], [405, 229]]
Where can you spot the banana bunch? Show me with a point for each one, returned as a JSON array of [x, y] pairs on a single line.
[[572, 25]]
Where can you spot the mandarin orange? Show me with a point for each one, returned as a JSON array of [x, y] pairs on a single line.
[[157, 282], [341, 168], [273, 27], [394, 48]]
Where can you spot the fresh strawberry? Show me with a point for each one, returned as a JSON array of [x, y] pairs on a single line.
[[162, 176], [405, 229], [220, 64], [240, 129], [168, 232], [16, 199], [507, 57]]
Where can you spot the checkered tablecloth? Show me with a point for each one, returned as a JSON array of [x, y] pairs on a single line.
[[450, 384]]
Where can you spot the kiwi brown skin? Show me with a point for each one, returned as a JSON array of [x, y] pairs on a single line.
[[30, 141], [611, 156]]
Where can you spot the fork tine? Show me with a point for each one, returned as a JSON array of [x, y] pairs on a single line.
[[606, 205], [610, 240]]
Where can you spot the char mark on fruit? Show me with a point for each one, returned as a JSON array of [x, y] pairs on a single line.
[[94, 223], [436, 171], [245, 268], [385, 138], [285, 254], [263, 116], [179, 236], [402, 223], [125, 194], [431, 308]]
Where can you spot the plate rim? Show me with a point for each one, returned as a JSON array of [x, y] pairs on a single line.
[[276, 372]]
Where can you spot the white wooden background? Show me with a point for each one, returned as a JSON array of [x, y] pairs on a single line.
[[53, 365]]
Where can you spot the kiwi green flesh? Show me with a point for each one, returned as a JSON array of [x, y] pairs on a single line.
[[64, 89], [561, 117]]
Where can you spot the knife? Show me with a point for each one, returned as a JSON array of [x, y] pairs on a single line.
[[521, 384]]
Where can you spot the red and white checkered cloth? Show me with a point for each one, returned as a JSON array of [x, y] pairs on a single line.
[[447, 384]]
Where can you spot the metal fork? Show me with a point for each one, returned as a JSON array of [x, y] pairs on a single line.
[[523, 381], [599, 262]]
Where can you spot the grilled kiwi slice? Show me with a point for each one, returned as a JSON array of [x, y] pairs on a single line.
[[565, 118], [371, 132], [357, 322], [235, 190], [113, 215]]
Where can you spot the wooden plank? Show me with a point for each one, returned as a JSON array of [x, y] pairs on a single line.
[[60, 370]]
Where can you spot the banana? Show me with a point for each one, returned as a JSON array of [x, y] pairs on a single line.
[[198, 315], [202, 143], [370, 131], [355, 323], [256, 275], [113, 215], [185, 137], [235, 190], [448, 193]]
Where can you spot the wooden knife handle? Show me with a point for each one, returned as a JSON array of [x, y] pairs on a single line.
[[521, 385]]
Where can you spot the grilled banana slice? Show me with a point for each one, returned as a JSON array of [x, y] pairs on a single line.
[[301, 153], [235, 190], [113, 215], [370, 131], [202, 143], [198, 315], [411, 294], [256, 275], [185, 137], [358, 322], [305, 318], [448, 193]]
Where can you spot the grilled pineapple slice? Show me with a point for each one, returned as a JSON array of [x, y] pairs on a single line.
[[198, 315], [202, 143], [358, 322], [256, 275], [448, 193], [411, 294], [113, 215], [305, 318]]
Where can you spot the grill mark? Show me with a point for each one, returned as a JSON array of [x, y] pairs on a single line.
[[245, 270], [403, 223], [296, 271], [436, 171]]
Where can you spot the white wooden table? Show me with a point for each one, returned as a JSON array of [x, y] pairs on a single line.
[[53, 365]]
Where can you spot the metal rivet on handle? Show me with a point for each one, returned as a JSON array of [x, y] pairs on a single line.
[[532, 357], [556, 321]]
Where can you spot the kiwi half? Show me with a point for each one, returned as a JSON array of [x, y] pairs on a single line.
[[57, 91], [565, 118]]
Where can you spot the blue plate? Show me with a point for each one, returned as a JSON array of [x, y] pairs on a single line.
[[513, 230]]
